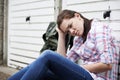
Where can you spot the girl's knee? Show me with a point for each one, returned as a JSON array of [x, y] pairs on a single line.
[[47, 53]]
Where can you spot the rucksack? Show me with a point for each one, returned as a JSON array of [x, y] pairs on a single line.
[[50, 38]]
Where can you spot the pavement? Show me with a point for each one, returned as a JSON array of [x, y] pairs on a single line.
[[6, 72]]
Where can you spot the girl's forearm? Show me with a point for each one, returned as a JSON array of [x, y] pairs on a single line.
[[98, 67], [61, 45]]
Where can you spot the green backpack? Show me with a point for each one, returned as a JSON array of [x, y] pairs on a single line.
[[50, 38]]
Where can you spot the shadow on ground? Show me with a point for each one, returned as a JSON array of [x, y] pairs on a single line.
[[3, 76], [6, 72]]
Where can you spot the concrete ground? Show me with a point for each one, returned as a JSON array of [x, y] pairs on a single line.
[[5, 72]]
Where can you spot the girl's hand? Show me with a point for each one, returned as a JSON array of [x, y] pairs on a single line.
[[60, 32]]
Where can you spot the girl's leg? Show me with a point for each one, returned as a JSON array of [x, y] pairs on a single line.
[[18, 75], [65, 69], [62, 67], [50, 76]]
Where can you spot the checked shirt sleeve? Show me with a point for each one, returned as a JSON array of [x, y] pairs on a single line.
[[72, 55], [103, 44]]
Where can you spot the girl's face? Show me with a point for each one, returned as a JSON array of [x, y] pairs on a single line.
[[73, 26]]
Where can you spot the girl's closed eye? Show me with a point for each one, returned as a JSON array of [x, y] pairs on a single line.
[[69, 27]]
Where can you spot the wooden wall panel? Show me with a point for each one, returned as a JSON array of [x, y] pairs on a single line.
[[25, 37]]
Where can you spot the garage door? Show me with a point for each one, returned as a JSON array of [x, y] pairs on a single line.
[[27, 21]]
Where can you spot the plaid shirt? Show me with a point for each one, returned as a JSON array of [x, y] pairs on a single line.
[[100, 46]]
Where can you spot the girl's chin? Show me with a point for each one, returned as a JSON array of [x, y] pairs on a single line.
[[76, 35]]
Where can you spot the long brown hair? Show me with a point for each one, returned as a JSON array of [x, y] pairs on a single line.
[[68, 14]]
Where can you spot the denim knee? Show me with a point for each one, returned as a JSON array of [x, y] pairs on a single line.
[[47, 53]]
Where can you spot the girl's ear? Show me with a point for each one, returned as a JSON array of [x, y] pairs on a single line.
[[77, 15]]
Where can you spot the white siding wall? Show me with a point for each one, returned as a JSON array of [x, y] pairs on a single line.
[[95, 9], [25, 38]]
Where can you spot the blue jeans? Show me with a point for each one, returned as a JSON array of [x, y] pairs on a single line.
[[52, 66]]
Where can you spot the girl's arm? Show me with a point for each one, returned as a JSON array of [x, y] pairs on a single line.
[[104, 48], [98, 67], [61, 43]]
